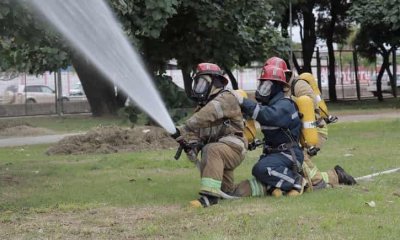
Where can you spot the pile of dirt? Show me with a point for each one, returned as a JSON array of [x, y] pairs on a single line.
[[111, 139], [21, 129]]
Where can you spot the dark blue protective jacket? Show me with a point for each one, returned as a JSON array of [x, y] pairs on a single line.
[[279, 120], [282, 159]]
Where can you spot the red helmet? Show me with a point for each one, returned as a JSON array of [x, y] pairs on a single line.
[[277, 62], [280, 63], [210, 69], [274, 74]]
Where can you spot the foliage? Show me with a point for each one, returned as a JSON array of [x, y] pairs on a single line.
[[373, 16], [25, 45]]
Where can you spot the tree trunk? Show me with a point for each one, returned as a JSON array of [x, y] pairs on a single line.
[[187, 79], [99, 90], [234, 83], [309, 36], [331, 54], [296, 64], [385, 64]]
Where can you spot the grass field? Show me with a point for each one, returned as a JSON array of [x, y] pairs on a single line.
[[145, 195]]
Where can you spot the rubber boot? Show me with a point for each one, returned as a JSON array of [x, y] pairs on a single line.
[[277, 192], [302, 182], [344, 178], [204, 201]]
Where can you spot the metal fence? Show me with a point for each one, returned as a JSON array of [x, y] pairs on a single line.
[[50, 93]]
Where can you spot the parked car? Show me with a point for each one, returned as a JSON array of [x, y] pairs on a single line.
[[385, 84], [76, 93], [19, 94]]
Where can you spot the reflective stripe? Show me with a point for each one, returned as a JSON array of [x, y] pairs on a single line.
[[218, 109], [313, 172], [323, 130], [325, 177], [269, 128], [280, 175], [312, 124], [318, 98], [285, 171], [256, 111], [279, 184], [256, 188], [295, 115], [287, 155], [211, 183]]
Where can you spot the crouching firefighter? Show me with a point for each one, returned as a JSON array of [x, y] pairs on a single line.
[[300, 87], [278, 169], [218, 125]]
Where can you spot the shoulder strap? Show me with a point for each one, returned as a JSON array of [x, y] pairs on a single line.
[[293, 85]]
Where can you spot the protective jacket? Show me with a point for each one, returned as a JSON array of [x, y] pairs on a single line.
[[220, 120], [281, 126], [219, 126]]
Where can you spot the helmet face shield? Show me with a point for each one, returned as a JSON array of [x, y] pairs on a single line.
[[201, 84], [264, 87], [201, 88]]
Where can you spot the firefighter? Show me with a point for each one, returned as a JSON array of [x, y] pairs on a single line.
[[277, 170], [218, 125], [303, 86]]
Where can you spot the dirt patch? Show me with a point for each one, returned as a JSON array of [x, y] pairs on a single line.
[[112, 139], [8, 180], [98, 223], [23, 130]]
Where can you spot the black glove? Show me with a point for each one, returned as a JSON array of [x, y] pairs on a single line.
[[331, 119], [176, 135]]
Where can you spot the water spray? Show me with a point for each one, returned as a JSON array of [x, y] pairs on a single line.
[[92, 29]]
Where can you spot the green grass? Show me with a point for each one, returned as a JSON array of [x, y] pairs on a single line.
[[144, 195], [67, 123], [364, 106]]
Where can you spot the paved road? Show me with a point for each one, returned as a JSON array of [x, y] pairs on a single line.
[[368, 117], [20, 141]]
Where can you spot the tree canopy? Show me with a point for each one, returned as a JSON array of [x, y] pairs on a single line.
[[379, 32]]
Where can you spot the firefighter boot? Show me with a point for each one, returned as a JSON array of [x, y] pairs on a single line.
[[298, 188], [204, 201], [344, 178], [277, 192]]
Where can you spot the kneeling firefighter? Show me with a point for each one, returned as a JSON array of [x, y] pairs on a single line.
[[306, 85], [218, 126], [278, 168]]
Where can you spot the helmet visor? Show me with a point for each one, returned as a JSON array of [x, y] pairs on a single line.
[[201, 84], [264, 87]]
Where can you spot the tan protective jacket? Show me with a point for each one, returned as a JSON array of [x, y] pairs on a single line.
[[220, 120]]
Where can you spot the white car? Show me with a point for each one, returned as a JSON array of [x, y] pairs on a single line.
[[20, 94], [76, 93]]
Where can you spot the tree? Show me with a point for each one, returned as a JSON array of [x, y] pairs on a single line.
[[379, 33], [333, 26], [228, 33]]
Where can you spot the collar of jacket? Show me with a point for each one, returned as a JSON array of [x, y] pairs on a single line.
[[275, 98]]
